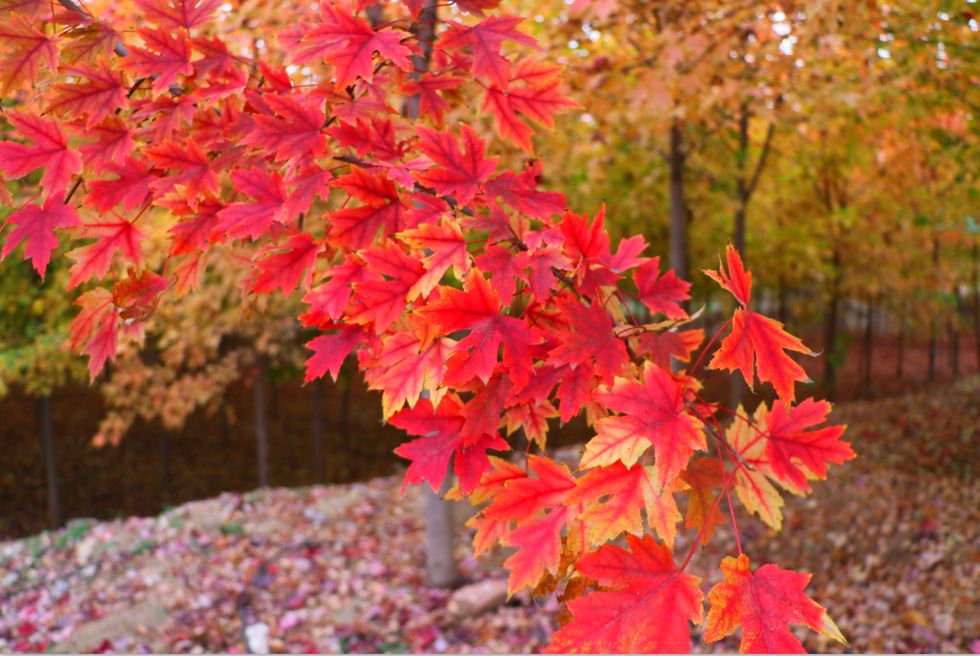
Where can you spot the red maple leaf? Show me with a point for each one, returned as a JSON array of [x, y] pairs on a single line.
[[756, 344], [253, 219], [533, 91], [523, 499], [661, 293], [482, 412], [404, 368], [589, 340], [375, 137], [94, 260], [446, 248], [441, 441], [427, 87], [477, 309], [504, 269], [646, 611], [167, 54], [330, 351], [654, 413], [456, 173], [189, 165], [37, 224], [381, 300], [50, 151], [764, 603], [294, 131], [659, 347], [190, 234], [485, 39], [538, 550], [349, 43], [521, 193], [136, 295], [102, 93], [290, 264], [113, 141], [794, 451], [177, 14], [30, 49], [328, 300], [358, 227], [736, 280], [93, 331], [612, 498], [130, 188]]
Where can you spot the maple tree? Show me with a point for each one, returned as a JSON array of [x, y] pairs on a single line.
[[472, 299]]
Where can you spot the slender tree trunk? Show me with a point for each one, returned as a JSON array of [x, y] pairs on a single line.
[[737, 387], [344, 380], [45, 432], [317, 430], [869, 323], [933, 343], [783, 310], [678, 206], [165, 464], [261, 424], [439, 525], [954, 335], [976, 300], [830, 332], [440, 561], [900, 372], [273, 400], [738, 235]]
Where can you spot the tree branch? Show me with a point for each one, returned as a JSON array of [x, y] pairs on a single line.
[[762, 160]]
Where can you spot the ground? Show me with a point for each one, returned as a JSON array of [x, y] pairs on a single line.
[[891, 539]]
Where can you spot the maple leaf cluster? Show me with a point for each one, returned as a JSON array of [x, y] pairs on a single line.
[[476, 303]]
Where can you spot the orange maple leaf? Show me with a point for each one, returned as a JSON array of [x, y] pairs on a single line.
[[764, 604]]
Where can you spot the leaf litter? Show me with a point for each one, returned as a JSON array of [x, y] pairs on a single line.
[[892, 539]]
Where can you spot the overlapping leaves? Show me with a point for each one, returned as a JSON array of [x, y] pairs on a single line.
[[476, 303]]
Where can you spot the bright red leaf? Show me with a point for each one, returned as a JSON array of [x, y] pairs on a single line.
[[758, 344], [795, 449], [654, 414], [36, 224], [764, 603], [330, 351], [647, 609], [49, 151], [457, 173]]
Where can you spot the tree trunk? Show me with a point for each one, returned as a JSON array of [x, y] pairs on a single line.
[[830, 352], [830, 332], [440, 561], [273, 400], [900, 372], [933, 344], [738, 234], [976, 300], [869, 323], [439, 527], [678, 206], [45, 433], [783, 310], [317, 429], [954, 335], [737, 386], [261, 427], [165, 465]]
